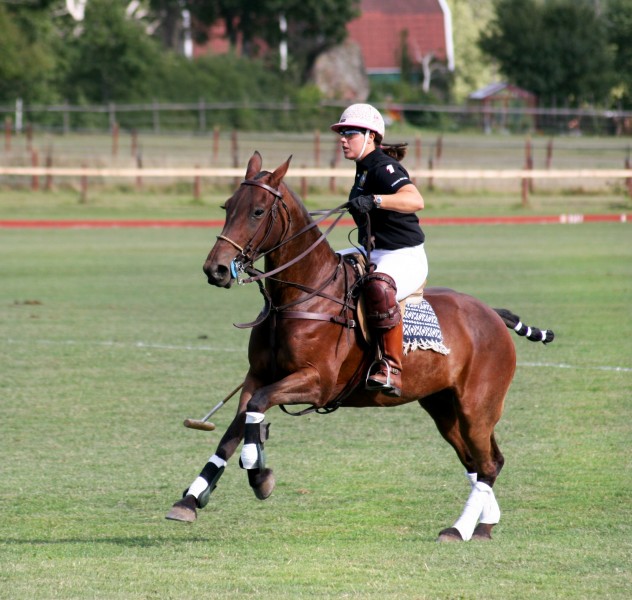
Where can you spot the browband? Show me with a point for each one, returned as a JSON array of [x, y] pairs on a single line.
[[265, 186]]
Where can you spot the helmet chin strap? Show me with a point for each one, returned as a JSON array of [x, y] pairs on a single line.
[[366, 139]]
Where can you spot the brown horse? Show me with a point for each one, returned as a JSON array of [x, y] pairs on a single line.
[[305, 349]]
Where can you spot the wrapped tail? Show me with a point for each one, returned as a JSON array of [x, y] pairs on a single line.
[[546, 336]]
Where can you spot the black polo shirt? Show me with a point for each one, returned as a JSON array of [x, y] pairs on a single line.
[[377, 173]]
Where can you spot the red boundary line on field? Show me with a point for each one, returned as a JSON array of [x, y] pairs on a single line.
[[137, 223]]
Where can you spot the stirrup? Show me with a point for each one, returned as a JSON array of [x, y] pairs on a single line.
[[372, 385]]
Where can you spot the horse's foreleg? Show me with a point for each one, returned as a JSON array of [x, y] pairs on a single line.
[[303, 386], [197, 495]]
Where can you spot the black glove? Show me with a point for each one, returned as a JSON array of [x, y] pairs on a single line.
[[362, 204]]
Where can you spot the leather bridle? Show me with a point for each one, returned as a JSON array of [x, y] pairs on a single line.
[[248, 255]]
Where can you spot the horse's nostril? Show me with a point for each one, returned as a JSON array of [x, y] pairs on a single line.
[[221, 272], [217, 274]]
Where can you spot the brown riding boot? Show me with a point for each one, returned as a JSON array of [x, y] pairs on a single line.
[[385, 375]]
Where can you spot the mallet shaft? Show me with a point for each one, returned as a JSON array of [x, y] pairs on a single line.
[[202, 423]]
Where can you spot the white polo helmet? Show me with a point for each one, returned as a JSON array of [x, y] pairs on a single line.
[[363, 116]]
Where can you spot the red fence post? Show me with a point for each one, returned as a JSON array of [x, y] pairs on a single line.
[[48, 186], [34, 164]]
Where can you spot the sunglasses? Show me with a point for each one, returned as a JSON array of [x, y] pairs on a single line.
[[347, 133]]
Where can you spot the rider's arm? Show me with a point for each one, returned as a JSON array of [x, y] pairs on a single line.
[[407, 199]]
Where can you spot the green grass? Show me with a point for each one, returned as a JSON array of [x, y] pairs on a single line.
[[109, 338]]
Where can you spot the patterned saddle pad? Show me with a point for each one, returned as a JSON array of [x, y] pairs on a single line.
[[421, 328]]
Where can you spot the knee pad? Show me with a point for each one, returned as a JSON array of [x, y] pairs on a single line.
[[380, 296]]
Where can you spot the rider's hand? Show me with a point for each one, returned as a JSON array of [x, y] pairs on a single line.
[[362, 204]]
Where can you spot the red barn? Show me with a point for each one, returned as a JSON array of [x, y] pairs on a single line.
[[426, 25]]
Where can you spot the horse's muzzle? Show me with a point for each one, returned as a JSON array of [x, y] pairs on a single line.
[[218, 275]]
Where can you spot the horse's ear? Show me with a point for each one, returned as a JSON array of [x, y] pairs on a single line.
[[280, 172], [254, 165]]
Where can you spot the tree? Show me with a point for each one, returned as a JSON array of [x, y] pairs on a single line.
[[557, 49], [618, 18], [473, 69], [27, 66], [312, 25], [112, 59]]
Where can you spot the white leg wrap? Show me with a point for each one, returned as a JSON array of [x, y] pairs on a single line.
[[491, 510], [249, 453], [479, 497], [198, 486], [217, 461]]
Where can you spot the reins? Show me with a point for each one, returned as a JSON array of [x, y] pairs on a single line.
[[247, 266], [305, 252], [250, 255]]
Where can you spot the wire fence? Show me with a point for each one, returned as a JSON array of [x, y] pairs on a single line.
[[203, 116], [429, 151]]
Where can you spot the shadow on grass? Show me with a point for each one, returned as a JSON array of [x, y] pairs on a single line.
[[131, 542]]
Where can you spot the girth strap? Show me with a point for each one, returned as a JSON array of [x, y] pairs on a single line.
[[297, 314]]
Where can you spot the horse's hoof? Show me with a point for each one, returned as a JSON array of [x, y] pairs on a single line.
[[451, 534], [262, 482], [483, 531], [183, 510]]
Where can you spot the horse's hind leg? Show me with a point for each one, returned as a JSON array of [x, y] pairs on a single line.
[[478, 451]]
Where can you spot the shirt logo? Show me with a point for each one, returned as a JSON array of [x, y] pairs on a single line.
[[390, 169], [362, 179]]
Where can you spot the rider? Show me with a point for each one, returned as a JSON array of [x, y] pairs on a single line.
[[383, 195]]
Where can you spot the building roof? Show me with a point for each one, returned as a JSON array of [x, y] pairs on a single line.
[[500, 88], [378, 32]]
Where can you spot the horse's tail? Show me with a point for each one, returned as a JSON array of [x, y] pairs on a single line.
[[546, 336]]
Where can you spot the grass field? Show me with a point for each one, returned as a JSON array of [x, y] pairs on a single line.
[[109, 338]]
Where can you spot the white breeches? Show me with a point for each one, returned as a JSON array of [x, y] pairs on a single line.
[[407, 266]]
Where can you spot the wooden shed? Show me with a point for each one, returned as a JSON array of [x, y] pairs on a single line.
[[502, 107]]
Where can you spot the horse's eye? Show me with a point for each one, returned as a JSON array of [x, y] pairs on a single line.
[[258, 212]]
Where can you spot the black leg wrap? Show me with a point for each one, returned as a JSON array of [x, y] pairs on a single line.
[[257, 433], [211, 472]]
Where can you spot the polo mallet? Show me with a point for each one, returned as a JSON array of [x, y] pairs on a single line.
[[202, 423]]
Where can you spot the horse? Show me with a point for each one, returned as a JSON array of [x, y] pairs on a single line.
[[305, 348]]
